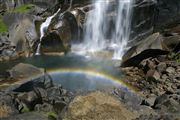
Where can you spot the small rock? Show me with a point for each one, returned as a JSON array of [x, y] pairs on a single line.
[[59, 106], [164, 77], [151, 100], [153, 75], [45, 107], [170, 70], [161, 67]]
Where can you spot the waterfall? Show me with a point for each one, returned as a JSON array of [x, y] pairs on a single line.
[[97, 27], [43, 28], [122, 28]]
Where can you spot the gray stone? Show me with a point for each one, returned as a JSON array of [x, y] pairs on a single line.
[[22, 70], [153, 75], [151, 100], [170, 70], [45, 107], [161, 67]]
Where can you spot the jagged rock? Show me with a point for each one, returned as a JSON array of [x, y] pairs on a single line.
[[151, 100], [29, 100], [153, 75], [7, 107], [136, 60], [59, 106], [45, 107], [151, 42], [22, 70]]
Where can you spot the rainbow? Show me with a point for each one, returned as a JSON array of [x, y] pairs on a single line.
[[94, 73], [91, 72]]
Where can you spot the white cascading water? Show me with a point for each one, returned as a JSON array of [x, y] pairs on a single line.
[[43, 27], [96, 28], [94, 38], [122, 28]]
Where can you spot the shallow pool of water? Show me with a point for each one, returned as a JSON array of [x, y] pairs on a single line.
[[75, 73]]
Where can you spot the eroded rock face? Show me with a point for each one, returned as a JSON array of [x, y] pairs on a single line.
[[97, 106], [22, 32]]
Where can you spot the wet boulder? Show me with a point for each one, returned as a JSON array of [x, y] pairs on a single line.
[[66, 25], [61, 32], [52, 43], [149, 47]]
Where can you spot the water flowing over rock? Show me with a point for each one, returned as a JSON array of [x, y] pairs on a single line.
[[44, 27], [104, 32]]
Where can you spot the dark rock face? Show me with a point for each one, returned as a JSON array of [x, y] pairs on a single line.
[[154, 15], [142, 20], [167, 13]]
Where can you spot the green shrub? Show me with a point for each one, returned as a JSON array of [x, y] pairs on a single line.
[[175, 56], [51, 115], [23, 8], [3, 27]]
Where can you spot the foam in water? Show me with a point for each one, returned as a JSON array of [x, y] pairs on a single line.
[[44, 26], [97, 27]]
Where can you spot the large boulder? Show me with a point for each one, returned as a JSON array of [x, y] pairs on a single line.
[[61, 32], [151, 42], [97, 106], [21, 71]]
